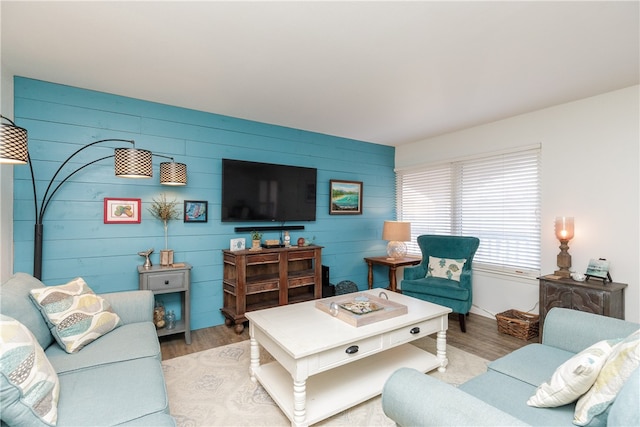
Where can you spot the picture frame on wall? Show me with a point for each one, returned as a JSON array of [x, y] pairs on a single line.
[[195, 211], [122, 211], [345, 197]]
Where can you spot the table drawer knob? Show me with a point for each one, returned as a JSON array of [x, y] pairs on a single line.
[[166, 282], [414, 331], [352, 350]]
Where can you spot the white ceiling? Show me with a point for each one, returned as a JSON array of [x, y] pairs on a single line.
[[385, 72]]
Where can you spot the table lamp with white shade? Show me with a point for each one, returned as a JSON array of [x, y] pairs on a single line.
[[396, 232]]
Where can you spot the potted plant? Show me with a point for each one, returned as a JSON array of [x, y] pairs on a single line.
[[256, 238], [165, 211]]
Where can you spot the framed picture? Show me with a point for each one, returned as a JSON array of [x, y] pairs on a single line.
[[195, 211], [122, 211], [599, 269], [346, 197], [236, 244]]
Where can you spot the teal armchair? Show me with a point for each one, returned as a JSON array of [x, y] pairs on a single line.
[[443, 286]]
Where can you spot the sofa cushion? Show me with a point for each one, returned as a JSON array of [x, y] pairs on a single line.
[[128, 342], [624, 410], [75, 314], [155, 420], [436, 286], [533, 364], [112, 394], [573, 378], [29, 387], [15, 303], [592, 408], [510, 395], [445, 268]]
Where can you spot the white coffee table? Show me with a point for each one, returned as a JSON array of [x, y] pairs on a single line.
[[317, 370]]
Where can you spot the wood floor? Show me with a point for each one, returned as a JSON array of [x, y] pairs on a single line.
[[482, 339]]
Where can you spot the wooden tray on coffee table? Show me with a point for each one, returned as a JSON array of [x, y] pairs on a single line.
[[382, 308]]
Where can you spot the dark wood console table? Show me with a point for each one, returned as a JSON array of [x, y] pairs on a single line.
[[268, 278], [590, 296], [393, 264]]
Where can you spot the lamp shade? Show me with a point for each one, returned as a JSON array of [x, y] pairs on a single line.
[[398, 231], [172, 173], [13, 144], [564, 227], [133, 163]]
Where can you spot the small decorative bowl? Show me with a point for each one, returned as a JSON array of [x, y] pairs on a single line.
[[578, 277]]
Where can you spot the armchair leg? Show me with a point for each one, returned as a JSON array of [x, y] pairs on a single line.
[[463, 326]]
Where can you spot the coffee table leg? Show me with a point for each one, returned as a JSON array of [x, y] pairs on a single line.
[[255, 358], [441, 350], [299, 402]]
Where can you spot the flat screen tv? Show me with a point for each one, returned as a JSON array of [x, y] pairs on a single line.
[[265, 192]]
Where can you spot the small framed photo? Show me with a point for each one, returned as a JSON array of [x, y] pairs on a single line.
[[122, 211], [236, 244], [599, 269], [346, 197], [195, 211]]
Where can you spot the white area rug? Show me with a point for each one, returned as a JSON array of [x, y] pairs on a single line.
[[213, 388]]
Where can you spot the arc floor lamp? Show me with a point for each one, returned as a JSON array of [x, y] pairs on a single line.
[[129, 162]]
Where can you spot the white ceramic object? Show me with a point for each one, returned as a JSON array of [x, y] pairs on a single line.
[[578, 277]]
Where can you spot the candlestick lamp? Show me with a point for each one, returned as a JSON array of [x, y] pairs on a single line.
[[564, 233]]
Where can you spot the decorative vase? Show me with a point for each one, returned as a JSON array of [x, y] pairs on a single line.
[[171, 320], [158, 315], [166, 257], [255, 245]]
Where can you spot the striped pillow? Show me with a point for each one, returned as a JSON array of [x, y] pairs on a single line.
[[29, 387], [593, 407], [75, 314]]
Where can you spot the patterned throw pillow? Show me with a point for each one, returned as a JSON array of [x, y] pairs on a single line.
[[574, 377], [446, 268], [29, 388], [593, 407], [75, 314]]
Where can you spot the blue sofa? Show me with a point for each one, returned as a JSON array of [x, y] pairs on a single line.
[[499, 396], [115, 380]]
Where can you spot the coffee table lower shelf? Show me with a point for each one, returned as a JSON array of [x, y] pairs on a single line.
[[343, 387]]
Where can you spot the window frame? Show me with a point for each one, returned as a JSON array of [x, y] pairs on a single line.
[[455, 216]]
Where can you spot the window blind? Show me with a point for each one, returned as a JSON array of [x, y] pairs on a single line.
[[495, 198]]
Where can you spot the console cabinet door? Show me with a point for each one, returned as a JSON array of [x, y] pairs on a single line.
[[587, 300], [555, 295]]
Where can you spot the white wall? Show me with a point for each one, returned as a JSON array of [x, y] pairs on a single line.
[[6, 183], [590, 170]]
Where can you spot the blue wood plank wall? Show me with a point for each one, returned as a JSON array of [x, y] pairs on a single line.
[[60, 119]]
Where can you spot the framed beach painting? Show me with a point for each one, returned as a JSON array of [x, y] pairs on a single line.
[[195, 211], [598, 269], [346, 197], [122, 211]]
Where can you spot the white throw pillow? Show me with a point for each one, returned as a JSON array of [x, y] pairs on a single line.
[[445, 268], [75, 314], [29, 388], [622, 361], [574, 377]]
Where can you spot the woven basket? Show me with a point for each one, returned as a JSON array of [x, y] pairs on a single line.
[[518, 324]]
